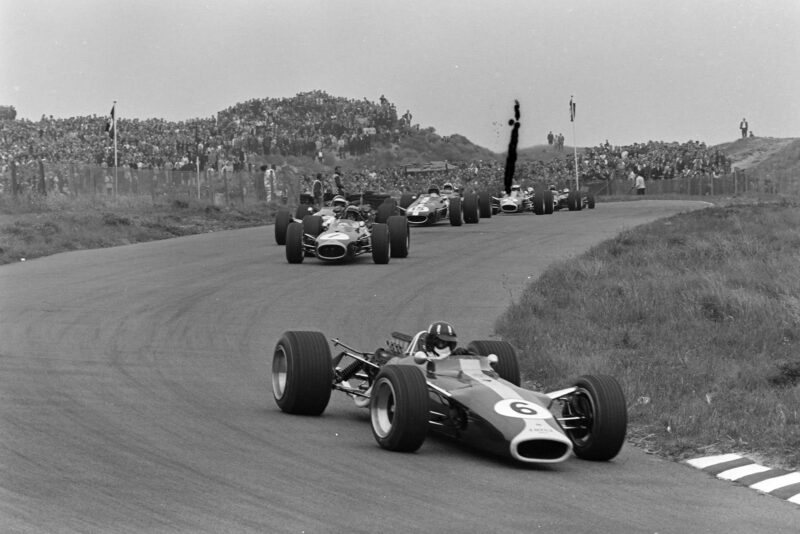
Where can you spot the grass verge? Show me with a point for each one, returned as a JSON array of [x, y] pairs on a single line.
[[41, 226], [698, 316]]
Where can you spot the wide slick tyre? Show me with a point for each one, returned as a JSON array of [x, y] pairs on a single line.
[[399, 237], [386, 209], [538, 203], [454, 211], [303, 210], [485, 204], [294, 243], [302, 373], [549, 205], [399, 408], [312, 225], [574, 200], [507, 365], [406, 199], [282, 220], [380, 243], [471, 209], [590, 201], [599, 405]]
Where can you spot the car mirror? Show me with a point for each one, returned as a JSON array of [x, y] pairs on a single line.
[[420, 357], [493, 359]]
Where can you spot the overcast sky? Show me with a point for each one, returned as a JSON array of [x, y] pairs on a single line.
[[639, 69]]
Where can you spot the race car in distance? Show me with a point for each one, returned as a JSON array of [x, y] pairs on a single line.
[[520, 201], [427, 209], [347, 236], [572, 200], [474, 398]]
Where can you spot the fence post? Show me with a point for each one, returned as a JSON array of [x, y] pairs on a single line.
[[227, 193]]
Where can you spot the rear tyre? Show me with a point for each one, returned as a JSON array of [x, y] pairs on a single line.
[[399, 238], [303, 210], [574, 200], [294, 243], [385, 210], [312, 225], [590, 201], [406, 200], [399, 408], [471, 210], [380, 243], [507, 365], [282, 220], [302, 373], [485, 204], [599, 405], [454, 211]]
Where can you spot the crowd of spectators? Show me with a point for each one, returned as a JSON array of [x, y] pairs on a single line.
[[304, 125], [315, 124], [651, 160]]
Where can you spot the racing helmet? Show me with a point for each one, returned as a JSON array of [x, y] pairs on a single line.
[[440, 339], [433, 190], [447, 188], [553, 187], [516, 187], [338, 204], [353, 213]]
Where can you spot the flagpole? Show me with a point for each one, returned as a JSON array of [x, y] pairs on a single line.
[[574, 141], [116, 133]]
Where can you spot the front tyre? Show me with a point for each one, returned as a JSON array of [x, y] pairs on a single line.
[[507, 365], [602, 417], [454, 211], [471, 210], [302, 373], [380, 243], [282, 220], [398, 408], [294, 243], [485, 204], [399, 239]]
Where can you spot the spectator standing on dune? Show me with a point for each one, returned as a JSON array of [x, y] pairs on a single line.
[[743, 126], [639, 184]]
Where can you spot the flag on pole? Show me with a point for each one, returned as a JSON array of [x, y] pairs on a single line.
[[111, 123], [571, 110]]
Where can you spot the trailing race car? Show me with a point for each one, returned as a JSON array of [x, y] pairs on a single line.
[[427, 209], [519, 201], [573, 200], [347, 236], [473, 396]]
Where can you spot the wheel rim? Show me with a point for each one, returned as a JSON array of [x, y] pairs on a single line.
[[582, 405], [279, 372], [382, 412]]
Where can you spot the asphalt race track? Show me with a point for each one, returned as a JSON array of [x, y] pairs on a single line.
[[136, 395]]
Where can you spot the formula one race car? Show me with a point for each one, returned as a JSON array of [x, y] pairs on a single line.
[[427, 209], [348, 235], [573, 200], [473, 396], [519, 201], [306, 207]]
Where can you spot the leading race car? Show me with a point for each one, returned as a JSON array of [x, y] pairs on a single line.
[[427, 209], [572, 200], [350, 234], [520, 201], [474, 397]]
